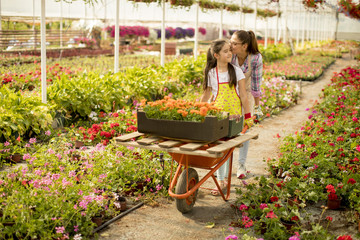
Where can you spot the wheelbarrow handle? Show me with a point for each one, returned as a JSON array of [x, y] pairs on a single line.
[[246, 127]]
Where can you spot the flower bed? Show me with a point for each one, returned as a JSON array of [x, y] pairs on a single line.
[[61, 189], [301, 67], [319, 162]]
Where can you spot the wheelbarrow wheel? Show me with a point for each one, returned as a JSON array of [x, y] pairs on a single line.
[[185, 205]]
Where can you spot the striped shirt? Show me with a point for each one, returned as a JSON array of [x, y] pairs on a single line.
[[256, 71]]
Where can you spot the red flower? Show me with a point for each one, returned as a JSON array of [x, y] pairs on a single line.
[[344, 237], [330, 188], [295, 218], [115, 114], [351, 181], [340, 139], [329, 218], [280, 184], [274, 199], [332, 196], [271, 214], [313, 155]]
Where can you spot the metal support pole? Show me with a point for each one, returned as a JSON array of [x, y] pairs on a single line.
[[303, 31], [43, 53], [162, 58], [61, 23], [117, 35], [256, 5], [0, 17], [221, 24], [196, 32], [277, 24]]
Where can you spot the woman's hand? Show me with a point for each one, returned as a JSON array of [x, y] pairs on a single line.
[[249, 122], [237, 117]]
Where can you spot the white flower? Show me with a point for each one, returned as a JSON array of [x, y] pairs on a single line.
[[77, 237]]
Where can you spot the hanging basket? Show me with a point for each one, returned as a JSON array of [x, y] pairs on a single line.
[[247, 10], [183, 3]]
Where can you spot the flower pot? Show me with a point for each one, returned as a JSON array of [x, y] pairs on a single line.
[[288, 224], [78, 144], [333, 204], [97, 220], [76, 157], [122, 201], [31, 87], [184, 129], [17, 157], [294, 201]]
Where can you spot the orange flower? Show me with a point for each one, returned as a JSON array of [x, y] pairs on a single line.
[[143, 102], [183, 113], [203, 111], [194, 111]]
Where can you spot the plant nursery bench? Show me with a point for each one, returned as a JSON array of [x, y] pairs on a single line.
[[189, 155]]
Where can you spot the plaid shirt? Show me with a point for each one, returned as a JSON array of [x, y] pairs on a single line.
[[256, 71]]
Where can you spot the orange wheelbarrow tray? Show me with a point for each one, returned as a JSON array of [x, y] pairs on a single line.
[[209, 156]]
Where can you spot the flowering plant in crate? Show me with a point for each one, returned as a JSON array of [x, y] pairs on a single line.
[[181, 110]]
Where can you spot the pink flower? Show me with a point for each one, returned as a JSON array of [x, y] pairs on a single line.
[[60, 229], [243, 207], [355, 119], [48, 133], [231, 237], [263, 206]]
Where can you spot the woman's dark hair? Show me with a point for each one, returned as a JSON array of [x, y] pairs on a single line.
[[211, 62], [249, 38]]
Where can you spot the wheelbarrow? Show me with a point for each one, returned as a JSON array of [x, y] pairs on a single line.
[[190, 155]]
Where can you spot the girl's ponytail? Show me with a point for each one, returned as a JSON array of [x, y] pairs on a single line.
[[253, 46], [210, 63]]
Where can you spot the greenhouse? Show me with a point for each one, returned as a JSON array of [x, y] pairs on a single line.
[[180, 119]]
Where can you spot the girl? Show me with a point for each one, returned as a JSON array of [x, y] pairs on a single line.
[[224, 84], [247, 56]]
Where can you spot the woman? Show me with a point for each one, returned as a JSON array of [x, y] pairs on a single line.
[[246, 55]]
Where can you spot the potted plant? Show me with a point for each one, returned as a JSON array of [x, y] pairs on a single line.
[[247, 10], [183, 119], [333, 201], [232, 7], [183, 3]]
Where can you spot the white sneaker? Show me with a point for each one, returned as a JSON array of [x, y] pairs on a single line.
[[241, 172]]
